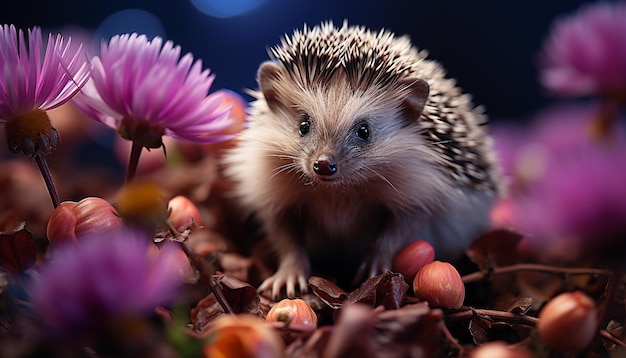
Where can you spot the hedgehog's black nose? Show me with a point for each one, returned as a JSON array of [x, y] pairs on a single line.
[[325, 165]]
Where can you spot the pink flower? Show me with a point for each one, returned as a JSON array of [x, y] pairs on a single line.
[[586, 52], [144, 90], [566, 186], [554, 134], [33, 81], [582, 200], [83, 287]]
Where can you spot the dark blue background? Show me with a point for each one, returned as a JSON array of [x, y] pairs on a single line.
[[490, 46]]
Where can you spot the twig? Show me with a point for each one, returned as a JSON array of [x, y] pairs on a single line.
[[477, 276], [494, 315], [206, 273], [609, 296], [453, 341], [611, 338]]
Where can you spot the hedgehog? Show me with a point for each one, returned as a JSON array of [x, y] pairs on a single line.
[[357, 144]]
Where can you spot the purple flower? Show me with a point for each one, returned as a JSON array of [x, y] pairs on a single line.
[[82, 287], [144, 90], [586, 52], [32, 82]]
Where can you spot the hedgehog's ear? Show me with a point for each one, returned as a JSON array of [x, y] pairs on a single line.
[[416, 90], [272, 85]]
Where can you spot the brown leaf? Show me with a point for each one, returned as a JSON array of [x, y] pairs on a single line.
[[353, 333], [17, 250], [494, 248], [521, 305], [327, 291], [310, 346], [484, 329], [410, 331], [387, 289], [242, 298], [478, 329]]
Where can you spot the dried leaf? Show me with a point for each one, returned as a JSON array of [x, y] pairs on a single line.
[[17, 250], [411, 331], [494, 249], [242, 298], [387, 289], [521, 305], [327, 291], [478, 329], [484, 329], [353, 334], [615, 329], [310, 346]]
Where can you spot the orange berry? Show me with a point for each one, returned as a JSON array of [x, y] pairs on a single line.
[[294, 311], [439, 284], [568, 322]]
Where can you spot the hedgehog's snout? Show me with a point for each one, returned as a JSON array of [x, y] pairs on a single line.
[[325, 165]]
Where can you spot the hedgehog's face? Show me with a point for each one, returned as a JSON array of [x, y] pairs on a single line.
[[333, 155], [337, 136]]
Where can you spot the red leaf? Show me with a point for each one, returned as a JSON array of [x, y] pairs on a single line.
[[17, 250]]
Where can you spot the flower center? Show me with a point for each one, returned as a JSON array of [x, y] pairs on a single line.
[[142, 204], [142, 132], [31, 133]]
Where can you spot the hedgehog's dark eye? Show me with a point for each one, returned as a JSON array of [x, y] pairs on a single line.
[[363, 131], [305, 125]]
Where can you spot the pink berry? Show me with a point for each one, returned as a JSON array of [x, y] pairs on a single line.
[[183, 212], [412, 258], [71, 220]]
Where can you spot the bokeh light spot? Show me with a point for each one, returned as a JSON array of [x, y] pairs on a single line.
[[226, 8], [129, 21]]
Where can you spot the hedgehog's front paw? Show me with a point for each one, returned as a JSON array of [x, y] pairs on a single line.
[[289, 275]]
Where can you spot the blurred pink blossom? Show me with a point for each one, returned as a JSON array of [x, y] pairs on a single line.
[[566, 186], [585, 53], [84, 286]]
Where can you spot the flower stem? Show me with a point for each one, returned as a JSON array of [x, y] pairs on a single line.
[[133, 161], [205, 274], [47, 177]]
